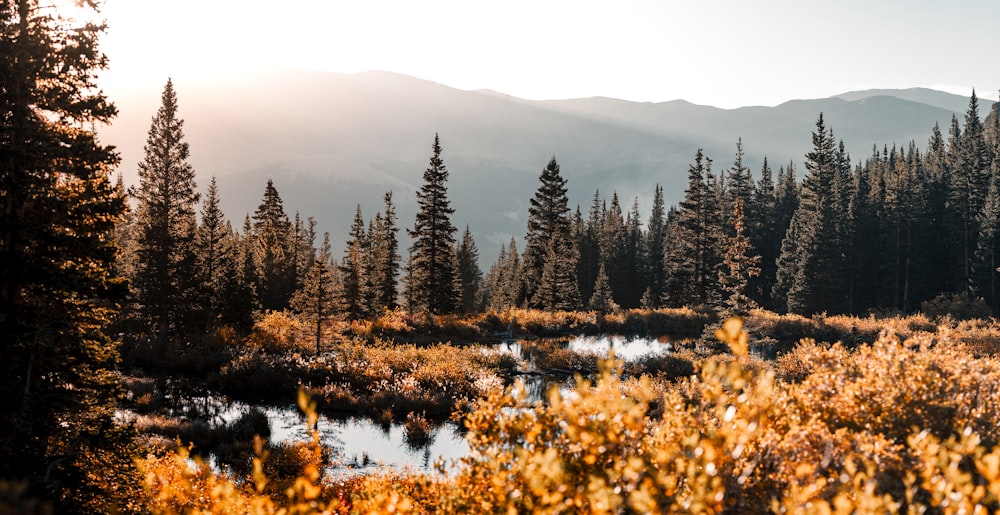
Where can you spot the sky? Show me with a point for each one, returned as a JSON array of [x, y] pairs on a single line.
[[726, 53]]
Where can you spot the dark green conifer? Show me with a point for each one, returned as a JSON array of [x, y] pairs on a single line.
[[352, 272], [653, 250], [740, 264], [469, 275], [692, 261], [384, 256], [273, 255], [431, 267], [58, 285], [602, 301], [166, 279], [548, 225], [814, 239]]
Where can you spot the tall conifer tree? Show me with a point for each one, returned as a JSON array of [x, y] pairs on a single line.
[[58, 285], [216, 257], [548, 225], [812, 244], [384, 250], [469, 275], [653, 250], [431, 267], [692, 261], [316, 298], [166, 198], [272, 252], [352, 273]]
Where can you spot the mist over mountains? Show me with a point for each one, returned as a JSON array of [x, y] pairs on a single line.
[[331, 141]]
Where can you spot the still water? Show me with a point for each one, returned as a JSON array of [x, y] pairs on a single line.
[[363, 444]]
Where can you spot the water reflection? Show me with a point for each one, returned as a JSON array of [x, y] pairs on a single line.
[[625, 348], [361, 443]]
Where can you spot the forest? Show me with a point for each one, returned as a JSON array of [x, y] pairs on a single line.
[[837, 346]]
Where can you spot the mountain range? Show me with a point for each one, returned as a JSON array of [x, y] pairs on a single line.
[[332, 141]]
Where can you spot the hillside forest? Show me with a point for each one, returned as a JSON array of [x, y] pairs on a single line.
[[902, 227], [873, 282]]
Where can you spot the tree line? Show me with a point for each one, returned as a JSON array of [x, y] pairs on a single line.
[[888, 233]]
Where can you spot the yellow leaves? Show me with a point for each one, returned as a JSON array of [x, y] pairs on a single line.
[[732, 334]]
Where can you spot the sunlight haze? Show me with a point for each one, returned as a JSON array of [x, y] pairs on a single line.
[[726, 54]]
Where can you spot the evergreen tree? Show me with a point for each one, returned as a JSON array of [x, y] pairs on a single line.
[[589, 246], [302, 245], [765, 234], [631, 284], [602, 301], [938, 176], [653, 250], [557, 288], [431, 268], [612, 242], [739, 184], [864, 216], [58, 286], [987, 257], [384, 252], [240, 300], [548, 225], [509, 288], [969, 183], [692, 262], [352, 270], [273, 255], [740, 264], [469, 275], [165, 278], [814, 244], [214, 242], [315, 299]]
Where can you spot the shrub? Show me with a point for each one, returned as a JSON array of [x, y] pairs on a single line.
[[955, 305], [277, 332]]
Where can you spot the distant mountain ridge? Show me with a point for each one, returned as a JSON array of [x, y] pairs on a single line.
[[331, 141]]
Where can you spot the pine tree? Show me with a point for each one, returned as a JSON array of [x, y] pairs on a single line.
[[987, 257], [548, 222], [969, 183], [352, 269], [214, 242], [384, 250], [631, 283], [273, 256], [557, 288], [741, 263], [316, 298], [814, 245], [469, 275], [240, 300], [938, 175], [763, 231], [302, 245], [58, 286], [589, 246], [653, 250], [509, 289], [166, 198], [692, 262], [431, 267], [602, 301], [612, 241]]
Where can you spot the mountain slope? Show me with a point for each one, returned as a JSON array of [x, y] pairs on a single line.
[[331, 141]]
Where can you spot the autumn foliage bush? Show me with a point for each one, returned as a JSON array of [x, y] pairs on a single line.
[[898, 425]]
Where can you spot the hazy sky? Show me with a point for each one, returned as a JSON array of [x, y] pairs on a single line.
[[727, 53]]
